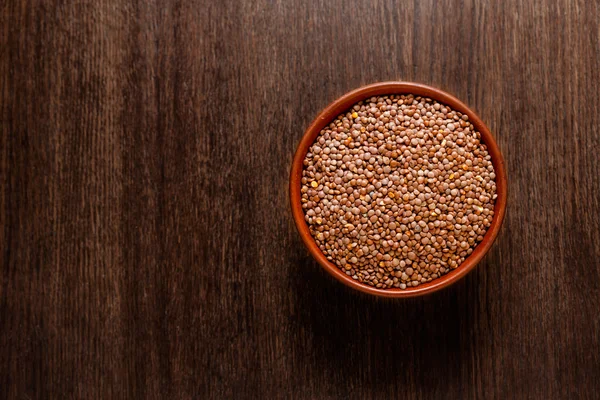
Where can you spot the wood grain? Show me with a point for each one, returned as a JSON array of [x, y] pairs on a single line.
[[147, 246]]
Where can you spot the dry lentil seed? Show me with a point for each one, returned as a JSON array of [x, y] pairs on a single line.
[[398, 191]]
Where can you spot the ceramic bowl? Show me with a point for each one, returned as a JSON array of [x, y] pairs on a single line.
[[340, 106]]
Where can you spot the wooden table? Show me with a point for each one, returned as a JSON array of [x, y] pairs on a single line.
[[147, 246]]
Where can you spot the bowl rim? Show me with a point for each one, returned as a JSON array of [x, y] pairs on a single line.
[[341, 105]]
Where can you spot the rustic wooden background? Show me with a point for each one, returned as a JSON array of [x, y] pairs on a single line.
[[147, 247]]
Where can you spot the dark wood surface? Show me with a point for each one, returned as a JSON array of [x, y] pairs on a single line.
[[147, 246]]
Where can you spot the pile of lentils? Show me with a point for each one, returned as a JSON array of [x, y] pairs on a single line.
[[398, 191]]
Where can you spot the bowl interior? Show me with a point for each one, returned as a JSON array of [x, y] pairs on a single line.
[[388, 88]]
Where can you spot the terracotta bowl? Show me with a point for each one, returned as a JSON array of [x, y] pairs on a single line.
[[340, 106]]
